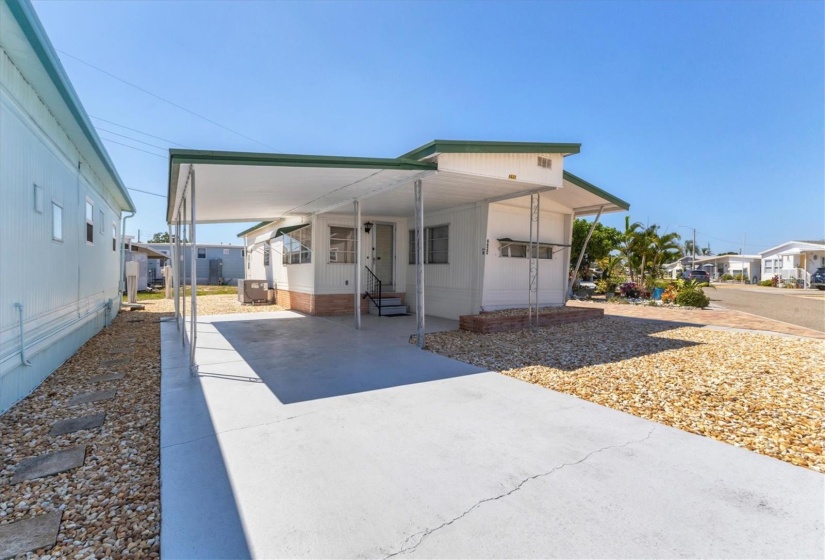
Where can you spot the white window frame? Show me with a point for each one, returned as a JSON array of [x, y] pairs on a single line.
[[90, 239], [267, 254], [545, 250], [102, 215], [428, 240], [55, 237], [199, 252], [338, 255], [297, 249], [39, 199], [114, 236]]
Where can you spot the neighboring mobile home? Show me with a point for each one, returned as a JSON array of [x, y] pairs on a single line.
[[749, 266], [477, 232], [796, 260], [217, 264], [61, 201]]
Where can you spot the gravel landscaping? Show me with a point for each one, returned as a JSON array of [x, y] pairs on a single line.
[[765, 393], [110, 504]]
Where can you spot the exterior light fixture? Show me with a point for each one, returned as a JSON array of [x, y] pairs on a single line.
[[368, 227]]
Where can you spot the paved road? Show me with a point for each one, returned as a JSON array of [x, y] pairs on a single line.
[[805, 308]]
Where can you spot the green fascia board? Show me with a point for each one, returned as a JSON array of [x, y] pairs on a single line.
[[178, 157], [487, 147], [590, 187], [288, 229], [28, 21], [253, 228]]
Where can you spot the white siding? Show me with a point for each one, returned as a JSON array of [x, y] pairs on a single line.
[[506, 279], [454, 289], [522, 168], [63, 286], [338, 278], [292, 277]]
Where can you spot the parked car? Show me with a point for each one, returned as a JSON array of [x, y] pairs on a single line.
[[699, 276], [818, 278]]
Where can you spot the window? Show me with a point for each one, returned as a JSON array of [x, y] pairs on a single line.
[[39, 199], [436, 245], [57, 222], [298, 246], [266, 254], [102, 225], [201, 252], [226, 252], [519, 249], [341, 244], [90, 221], [114, 236]]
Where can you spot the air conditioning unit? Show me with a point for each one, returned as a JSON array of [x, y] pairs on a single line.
[[252, 291]]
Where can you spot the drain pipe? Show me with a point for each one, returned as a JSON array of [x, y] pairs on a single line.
[[120, 283], [23, 359]]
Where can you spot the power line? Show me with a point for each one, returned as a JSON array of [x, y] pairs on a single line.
[[147, 192], [132, 147], [139, 131], [131, 138], [156, 96]]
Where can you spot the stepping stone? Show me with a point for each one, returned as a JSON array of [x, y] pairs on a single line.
[[108, 377], [50, 463], [114, 362], [76, 424], [29, 534], [95, 396], [119, 350]]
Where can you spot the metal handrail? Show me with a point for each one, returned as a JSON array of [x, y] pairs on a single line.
[[373, 285]]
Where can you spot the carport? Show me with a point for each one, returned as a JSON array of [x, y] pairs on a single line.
[[218, 187]]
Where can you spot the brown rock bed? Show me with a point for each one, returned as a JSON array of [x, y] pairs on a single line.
[[517, 319], [761, 392], [111, 504], [217, 304]]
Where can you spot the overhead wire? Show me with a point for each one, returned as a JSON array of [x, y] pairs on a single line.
[[131, 138], [133, 148], [147, 192], [139, 131], [156, 96]]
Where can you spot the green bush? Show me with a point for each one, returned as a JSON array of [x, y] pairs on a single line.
[[766, 283], [606, 286], [615, 299], [726, 277], [692, 297]]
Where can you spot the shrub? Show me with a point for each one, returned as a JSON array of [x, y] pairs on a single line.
[[766, 283], [726, 277], [692, 297], [775, 281], [618, 300], [606, 286], [669, 296]]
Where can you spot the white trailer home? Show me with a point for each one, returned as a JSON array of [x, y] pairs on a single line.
[[793, 261], [217, 264], [61, 201], [485, 203]]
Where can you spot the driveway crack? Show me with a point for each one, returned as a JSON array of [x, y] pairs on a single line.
[[410, 543]]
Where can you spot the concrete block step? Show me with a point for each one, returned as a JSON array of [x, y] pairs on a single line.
[[388, 301], [387, 310]]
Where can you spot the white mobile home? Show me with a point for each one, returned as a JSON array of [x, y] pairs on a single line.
[[217, 264], [796, 260], [60, 212], [484, 204], [747, 266]]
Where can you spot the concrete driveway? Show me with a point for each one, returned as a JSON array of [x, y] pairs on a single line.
[[302, 437], [805, 308]]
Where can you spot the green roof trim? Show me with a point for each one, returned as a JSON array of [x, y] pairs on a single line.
[[177, 157], [590, 187], [486, 147], [288, 229], [28, 21], [253, 228]]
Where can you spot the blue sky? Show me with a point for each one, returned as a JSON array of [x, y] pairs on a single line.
[[701, 114]]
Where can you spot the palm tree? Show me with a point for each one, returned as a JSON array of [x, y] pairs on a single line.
[[628, 246], [666, 250]]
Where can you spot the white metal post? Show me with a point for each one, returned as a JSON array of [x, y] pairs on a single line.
[[193, 337], [176, 271], [419, 263], [533, 262], [183, 271], [356, 208], [584, 248]]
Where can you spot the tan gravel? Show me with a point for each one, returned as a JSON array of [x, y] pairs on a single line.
[[765, 393]]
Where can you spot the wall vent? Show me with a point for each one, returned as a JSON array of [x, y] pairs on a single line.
[[545, 162]]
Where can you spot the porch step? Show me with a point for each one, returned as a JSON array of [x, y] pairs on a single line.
[[387, 310], [385, 301]]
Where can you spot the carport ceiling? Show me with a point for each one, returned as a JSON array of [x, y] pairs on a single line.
[[243, 187]]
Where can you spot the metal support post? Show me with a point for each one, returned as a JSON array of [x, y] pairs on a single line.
[[419, 264], [533, 260], [356, 207], [193, 337], [183, 272], [584, 248]]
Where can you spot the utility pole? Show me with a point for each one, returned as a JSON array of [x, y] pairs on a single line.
[[744, 239]]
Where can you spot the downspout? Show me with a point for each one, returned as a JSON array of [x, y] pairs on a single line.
[[584, 248], [121, 287], [23, 359]]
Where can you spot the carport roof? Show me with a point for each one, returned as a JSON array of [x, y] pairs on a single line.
[[246, 186]]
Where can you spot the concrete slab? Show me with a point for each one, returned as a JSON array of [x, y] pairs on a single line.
[[108, 377], [49, 464], [76, 424], [115, 362], [30, 534], [317, 440], [95, 396]]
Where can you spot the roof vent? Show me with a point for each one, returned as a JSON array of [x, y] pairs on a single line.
[[545, 162]]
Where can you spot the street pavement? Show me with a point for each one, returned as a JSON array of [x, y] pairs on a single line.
[[805, 308]]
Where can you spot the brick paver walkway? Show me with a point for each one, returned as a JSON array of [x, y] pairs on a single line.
[[716, 317]]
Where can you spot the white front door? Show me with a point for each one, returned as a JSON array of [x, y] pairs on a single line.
[[383, 253]]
